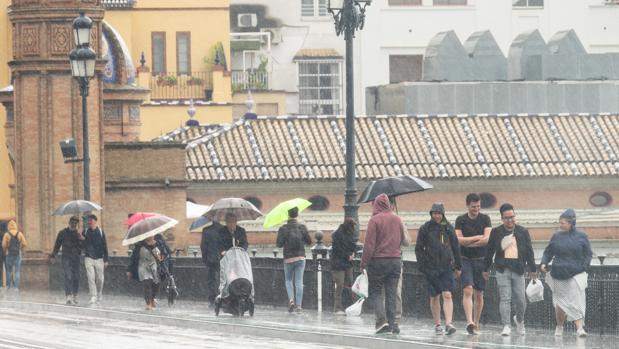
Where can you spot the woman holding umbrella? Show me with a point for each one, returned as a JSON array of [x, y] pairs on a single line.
[[143, 267]]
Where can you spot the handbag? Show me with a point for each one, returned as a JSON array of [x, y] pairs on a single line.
[[355, 309]]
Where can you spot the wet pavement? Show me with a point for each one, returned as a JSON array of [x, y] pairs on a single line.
[[194, 322]]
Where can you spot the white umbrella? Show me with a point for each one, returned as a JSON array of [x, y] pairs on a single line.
[[76, 207], [196, 210], [147, 227], [242, 209]]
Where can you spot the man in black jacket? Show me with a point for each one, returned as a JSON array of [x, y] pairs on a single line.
[[510, 245], [438, 258], [209, 246], [70, 240], [95, 247], [231, 231]]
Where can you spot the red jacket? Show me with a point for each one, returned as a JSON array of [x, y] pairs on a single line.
[[385, 232]]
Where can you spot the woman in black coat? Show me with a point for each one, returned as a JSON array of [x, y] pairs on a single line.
[[342, 252]]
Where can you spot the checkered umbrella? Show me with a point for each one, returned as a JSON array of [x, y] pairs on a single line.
[[242, 209]]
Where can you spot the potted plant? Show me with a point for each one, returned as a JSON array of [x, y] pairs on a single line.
[[166, 80], [195, 81]]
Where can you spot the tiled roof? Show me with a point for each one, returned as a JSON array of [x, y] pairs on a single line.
[[309, 53], [117, 3], [462, 146]]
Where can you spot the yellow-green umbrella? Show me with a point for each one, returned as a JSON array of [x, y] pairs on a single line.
[[280, 213]]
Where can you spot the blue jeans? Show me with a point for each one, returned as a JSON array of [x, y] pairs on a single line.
[[295, 270], [12, 262]]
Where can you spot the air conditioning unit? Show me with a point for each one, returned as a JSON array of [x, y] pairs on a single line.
[[276, 35], [247, 20]]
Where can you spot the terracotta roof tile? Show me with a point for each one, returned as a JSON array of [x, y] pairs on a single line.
[[297, 148]]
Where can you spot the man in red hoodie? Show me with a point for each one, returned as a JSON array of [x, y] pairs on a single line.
[[381, 257]]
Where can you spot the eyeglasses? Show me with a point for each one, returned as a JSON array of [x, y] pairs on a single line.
[[509, 218]]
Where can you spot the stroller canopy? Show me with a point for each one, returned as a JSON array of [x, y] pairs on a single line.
[[235, 265]]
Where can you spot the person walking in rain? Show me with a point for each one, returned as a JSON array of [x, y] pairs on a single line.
[[381, 257], [510, 246], [13, 244], [209, 246], [473, 231], [438, 257], [143, 267], [570, 253], [343, 248], [95, 247], [231, 235], [70, 240], [293, 236]]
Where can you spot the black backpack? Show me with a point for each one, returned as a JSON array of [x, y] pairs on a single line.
[[14, 245]]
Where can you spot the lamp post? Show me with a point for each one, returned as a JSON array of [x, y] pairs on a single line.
[[83, 59], [349, 16]]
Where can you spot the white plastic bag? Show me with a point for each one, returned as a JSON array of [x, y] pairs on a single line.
[[355, 308], [535, 291], [360, 287]]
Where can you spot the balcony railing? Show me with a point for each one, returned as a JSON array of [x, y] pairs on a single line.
[[170, 85], [250, 80]]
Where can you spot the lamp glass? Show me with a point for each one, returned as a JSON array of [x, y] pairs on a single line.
[[82, 36], [90, 67], [74, 68], [335, 5]]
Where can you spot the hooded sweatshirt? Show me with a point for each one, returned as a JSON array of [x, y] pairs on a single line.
[[384, 234], [6, 240], [437, 247]]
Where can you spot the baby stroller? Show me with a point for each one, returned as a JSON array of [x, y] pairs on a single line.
[[236, 284]]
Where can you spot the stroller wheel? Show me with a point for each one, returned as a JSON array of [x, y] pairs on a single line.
[[241, 307], [217, 306], [251, 308]]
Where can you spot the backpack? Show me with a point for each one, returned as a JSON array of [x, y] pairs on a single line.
[[14, 245]]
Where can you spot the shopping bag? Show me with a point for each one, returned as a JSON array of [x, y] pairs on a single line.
[[355, 309], [347, 297], [535, 291], [360, 287]]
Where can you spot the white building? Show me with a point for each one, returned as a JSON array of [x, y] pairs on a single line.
[[306, 57]]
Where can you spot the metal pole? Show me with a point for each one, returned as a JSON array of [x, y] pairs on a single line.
[[84, 93], [319, 276], [350, 197]]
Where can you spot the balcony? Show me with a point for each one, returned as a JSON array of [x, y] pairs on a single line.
[[171, 85], [250, 80]]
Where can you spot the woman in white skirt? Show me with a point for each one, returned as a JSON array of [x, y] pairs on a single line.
[[570, 252]]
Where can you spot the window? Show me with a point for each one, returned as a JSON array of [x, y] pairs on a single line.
[[528, 3], [487, 200], [320, 85], [449, 2], [10, 116], [319, 203], [158, 51], [314, 8], [405, 68], [601, 199], [254, 201], [405, 3], [183, 52]]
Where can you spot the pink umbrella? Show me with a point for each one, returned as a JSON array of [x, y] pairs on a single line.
[[138, 216]]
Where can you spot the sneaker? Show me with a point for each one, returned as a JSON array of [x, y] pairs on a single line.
[[395, 329], [450, 329], [291, 306], [519, 326], [581, 332], [69, 300], [148, 307], [384, 328], [470, 328], [155, 302], [75, 302], [438, 330], [93, 300], [559, 331], [298, 309], [506, 331], [340, 313]]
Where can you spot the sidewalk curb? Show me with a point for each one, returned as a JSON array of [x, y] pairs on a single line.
[[332, 339]]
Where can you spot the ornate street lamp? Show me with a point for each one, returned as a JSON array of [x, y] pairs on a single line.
[[349, 16], [83, 59]]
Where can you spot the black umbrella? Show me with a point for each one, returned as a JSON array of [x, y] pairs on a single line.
[[393, 186]]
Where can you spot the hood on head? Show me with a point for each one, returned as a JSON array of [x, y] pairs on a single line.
[[438, 207], [12, 227], [570, 215], [381, 204]]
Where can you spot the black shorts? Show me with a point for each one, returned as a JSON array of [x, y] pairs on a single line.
[[472, 273], [439, 282]]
